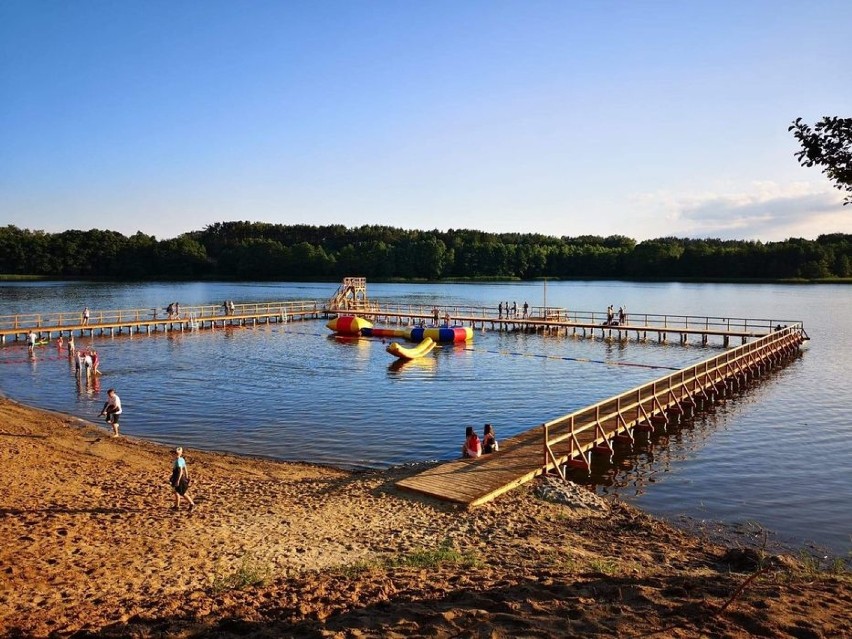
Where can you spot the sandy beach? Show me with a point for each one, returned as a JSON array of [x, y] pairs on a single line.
[[92, 546]]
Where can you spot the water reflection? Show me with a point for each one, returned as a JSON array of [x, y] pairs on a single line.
[[634, 465], [408, 366]]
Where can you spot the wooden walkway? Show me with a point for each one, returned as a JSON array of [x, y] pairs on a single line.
[[149, 320], [570, 440], [584, 324]]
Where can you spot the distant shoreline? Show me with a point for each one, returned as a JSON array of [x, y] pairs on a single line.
[[449, 280]]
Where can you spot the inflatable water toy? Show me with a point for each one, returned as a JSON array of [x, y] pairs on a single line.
[[404, 333], [348, 325], [352, 325], [420, 350], [445, 334]]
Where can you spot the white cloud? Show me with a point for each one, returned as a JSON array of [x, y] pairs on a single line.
[[766, 211]]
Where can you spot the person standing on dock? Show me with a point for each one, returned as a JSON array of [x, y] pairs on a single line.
[[86, 316], [622, 316], [515, 310], [112, 409], [500, 310], [526, 310], [610, 315], [435, 315]]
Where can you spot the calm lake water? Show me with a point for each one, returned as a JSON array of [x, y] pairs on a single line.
[[777, 456]]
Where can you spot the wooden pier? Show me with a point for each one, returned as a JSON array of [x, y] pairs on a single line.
[[559, 321], [151, 320], [570, 440]]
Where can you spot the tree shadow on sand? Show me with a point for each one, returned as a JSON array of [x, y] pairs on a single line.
[[410, 604]]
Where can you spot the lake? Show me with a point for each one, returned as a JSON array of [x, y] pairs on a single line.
[[775, 456]]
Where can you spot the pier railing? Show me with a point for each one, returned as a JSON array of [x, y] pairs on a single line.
[[633, 321], [577, 432], [25, 321]]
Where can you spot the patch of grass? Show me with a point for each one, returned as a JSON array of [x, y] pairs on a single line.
[[359, 568], [426, 558], [250, 572], [608, 567], [813, 566]]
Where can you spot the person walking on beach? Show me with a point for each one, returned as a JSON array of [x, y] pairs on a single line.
[[180, 480], [112, 409]]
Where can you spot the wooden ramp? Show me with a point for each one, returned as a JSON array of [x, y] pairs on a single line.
[[475, 481]]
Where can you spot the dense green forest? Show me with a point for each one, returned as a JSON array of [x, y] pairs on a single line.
[[254, 250]]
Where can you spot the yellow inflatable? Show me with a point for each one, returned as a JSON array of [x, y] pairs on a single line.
[[348, 325], [420, 350]]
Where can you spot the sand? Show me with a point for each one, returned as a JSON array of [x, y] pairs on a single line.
[[90, 545]]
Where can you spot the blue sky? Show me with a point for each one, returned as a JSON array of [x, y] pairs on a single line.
[[640, 118]]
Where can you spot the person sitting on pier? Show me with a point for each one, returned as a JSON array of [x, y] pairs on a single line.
[[472, 447], [489, 442]]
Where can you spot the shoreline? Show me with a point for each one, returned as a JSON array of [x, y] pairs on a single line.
[[302, 550]]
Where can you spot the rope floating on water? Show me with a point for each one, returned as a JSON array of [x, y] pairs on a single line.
[[584, 360]]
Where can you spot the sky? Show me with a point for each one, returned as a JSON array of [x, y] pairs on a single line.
[[643, 118]]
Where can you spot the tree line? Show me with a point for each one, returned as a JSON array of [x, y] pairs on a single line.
[[262, 251]]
